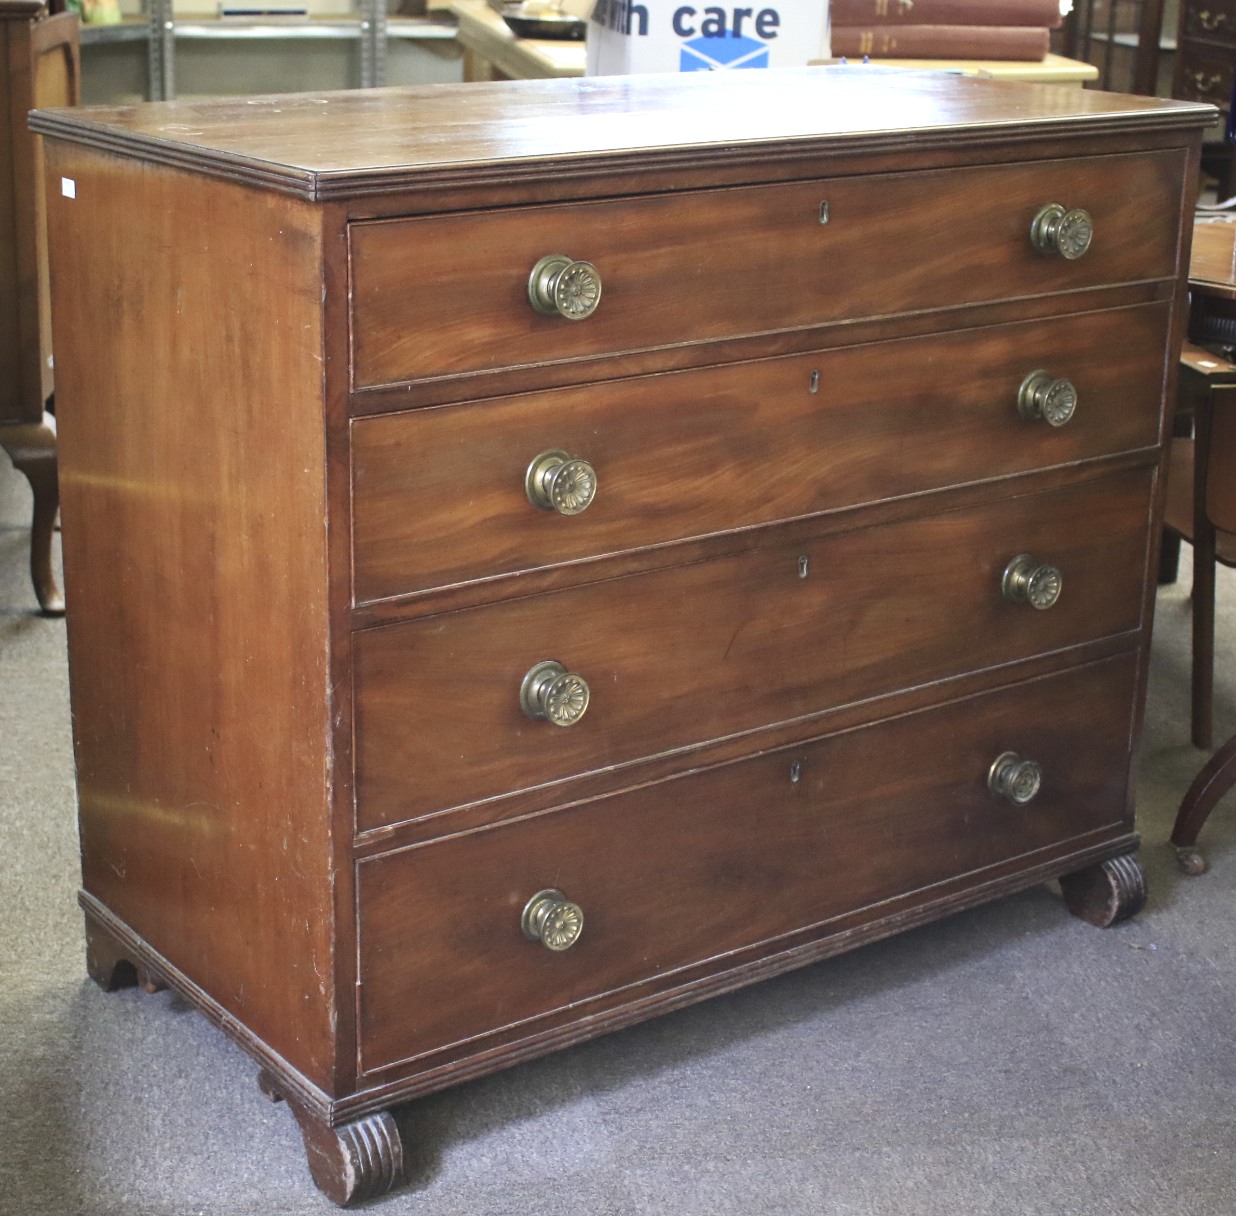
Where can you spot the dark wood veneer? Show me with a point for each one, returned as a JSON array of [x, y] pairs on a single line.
[[444, 295], [346, 145], [795, 839], [698, 453], [732, 645]]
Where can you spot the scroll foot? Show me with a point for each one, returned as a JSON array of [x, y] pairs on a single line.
[[32, 448], [106, 960], [356, 1161], [112, 967], [1106, 893]]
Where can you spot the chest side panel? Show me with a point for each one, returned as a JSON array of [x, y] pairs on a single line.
[[193, 493]]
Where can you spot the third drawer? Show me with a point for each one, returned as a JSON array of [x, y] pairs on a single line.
[[680, 657]]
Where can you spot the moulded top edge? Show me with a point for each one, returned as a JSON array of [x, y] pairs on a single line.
[[340, 144]]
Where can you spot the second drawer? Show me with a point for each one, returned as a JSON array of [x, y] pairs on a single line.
[[439, 495], [680, 657]]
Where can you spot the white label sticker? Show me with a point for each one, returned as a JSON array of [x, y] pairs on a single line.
[[68, 187]]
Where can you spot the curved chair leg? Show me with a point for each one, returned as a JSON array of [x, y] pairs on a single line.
[[32, 448], [1203, 647], [1215, 779]]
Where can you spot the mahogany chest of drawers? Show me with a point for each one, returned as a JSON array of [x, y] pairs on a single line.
[[542, 554], [1205, 70], [1206, 52]]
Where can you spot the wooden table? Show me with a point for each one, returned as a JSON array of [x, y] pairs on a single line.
[[492, 52], [1212, 265], [1212, 284]]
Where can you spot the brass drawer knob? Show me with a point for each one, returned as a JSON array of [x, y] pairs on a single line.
[[560, 287], [1013, 778], [1051, 398], [557, 481], [1027, 581], [1062, 233], [553, 920], [552, 693]]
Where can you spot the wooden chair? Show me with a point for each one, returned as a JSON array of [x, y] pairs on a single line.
[[39, 66], [1201, 505]]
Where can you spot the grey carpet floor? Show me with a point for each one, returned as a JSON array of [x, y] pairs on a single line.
[[1007, 1060]]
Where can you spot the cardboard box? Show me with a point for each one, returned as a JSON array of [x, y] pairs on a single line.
[[628, 36]]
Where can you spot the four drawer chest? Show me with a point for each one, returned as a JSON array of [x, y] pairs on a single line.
[[541, 554]]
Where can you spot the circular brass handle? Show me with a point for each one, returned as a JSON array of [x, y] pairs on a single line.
[[1204, 82], [1051, 398], [557, 481], [1013, 778], [560, 287], [1066, 234], [552, 919], [552, 693], [1027, 581]]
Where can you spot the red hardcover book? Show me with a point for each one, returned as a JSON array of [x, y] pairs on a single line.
[[940, 42], [867, 13]]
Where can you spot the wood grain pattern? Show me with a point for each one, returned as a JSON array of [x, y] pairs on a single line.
[[194, 546], [681, 656], [448, 294], [1213, 263], [438, 495], [350, 144], [683, 872]]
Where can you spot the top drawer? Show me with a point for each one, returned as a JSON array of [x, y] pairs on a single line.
[[446, 295]]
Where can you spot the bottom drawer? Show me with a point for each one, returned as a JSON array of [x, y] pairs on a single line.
[[678, 874]]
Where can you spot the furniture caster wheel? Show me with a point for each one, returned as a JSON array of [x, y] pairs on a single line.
[[350, 1163], [1107, 893], [1191, 861]]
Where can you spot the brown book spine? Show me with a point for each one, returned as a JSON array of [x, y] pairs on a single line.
[[1043, 14], [941, 42]]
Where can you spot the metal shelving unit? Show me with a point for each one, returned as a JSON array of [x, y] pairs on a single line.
[[371, 28]]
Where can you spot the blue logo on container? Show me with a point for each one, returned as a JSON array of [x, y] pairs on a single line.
[[727, 51]]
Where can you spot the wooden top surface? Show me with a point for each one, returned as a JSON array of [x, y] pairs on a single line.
[[21, 10], [1212, 264], [337, 145]]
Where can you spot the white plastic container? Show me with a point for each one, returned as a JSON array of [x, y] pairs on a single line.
[[629, 36]]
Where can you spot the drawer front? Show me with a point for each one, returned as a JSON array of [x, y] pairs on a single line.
[[1213, 19], [443, 295], [1205, 74], [690, 870], [440, 498], [682, 656]]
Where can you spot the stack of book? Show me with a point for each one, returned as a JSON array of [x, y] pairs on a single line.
[[943, 29]]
